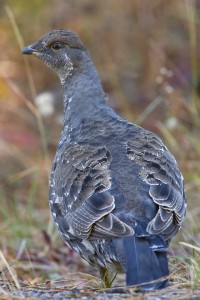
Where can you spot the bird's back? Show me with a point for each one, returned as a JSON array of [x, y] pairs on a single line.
[[138, 162]]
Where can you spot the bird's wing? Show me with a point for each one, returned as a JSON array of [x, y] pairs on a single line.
[[160, 171], [81, 198]]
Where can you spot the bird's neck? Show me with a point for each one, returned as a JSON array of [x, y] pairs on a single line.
[[83, 95]]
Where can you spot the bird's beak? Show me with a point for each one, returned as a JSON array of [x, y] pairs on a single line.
[[29, 50]]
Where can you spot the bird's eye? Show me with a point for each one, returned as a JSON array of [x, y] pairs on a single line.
[[56, 46]]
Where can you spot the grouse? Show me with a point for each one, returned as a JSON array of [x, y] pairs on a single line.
[[115, 192]]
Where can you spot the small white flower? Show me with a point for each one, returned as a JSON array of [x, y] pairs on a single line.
[[169, 89], [44, 103], [159, 79]]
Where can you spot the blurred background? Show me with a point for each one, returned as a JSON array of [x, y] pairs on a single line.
[[147, 54]]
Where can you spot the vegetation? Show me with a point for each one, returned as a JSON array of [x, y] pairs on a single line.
[[147, 53]]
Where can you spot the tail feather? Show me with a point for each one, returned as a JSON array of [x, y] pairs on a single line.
[[144, 266]]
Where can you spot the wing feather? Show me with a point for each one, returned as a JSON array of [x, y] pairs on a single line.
[[166, 188], [81, 193]]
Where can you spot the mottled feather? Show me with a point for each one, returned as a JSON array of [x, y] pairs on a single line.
[[82, 180], [160, 170]]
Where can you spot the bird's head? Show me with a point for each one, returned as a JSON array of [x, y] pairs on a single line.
[[61, 50]]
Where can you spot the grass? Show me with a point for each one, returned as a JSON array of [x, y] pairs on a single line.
[[32, 255]]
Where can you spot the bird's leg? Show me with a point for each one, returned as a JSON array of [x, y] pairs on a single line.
[[107, 276]]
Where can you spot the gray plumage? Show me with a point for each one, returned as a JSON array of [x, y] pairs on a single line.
[[116, 193]]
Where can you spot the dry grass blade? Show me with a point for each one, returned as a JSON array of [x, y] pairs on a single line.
[[31, 85], [78, 280], [12, 273], [24, 173], [190, 246], [21, 249], [191, 15], [21, 45], [21, 96], [149, 109]]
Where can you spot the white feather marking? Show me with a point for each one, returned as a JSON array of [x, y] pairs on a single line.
[[54, 214], [58, 199], [71, 230], [88, 246]]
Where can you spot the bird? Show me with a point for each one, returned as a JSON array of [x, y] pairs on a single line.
[[116, 193]]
